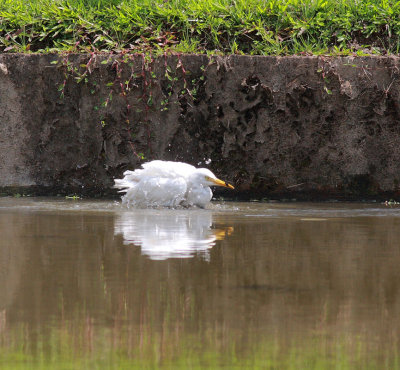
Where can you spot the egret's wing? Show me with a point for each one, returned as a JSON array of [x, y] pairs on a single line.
[[157, 191], [167, 169], [154, 169]]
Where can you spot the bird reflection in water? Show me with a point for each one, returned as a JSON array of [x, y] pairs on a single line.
[[164, 234]]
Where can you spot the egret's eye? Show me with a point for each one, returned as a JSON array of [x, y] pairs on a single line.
[[208, 178]]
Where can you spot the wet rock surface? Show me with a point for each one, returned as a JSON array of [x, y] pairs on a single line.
[[276, 127]]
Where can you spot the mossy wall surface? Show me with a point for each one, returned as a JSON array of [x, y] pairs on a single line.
[[298, 127]]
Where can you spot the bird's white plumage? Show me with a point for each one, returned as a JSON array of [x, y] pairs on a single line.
[[168, 184]]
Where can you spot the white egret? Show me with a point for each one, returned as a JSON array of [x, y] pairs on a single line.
[[168, 184]]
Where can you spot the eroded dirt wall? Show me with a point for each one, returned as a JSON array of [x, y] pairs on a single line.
[[302, 127]]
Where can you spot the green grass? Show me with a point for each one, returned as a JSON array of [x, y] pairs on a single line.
[[255, 27]]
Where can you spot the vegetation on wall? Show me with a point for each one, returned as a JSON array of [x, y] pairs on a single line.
[[255, 27]]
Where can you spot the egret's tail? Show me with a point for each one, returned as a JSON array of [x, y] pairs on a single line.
[[122, 185], [129, 181]]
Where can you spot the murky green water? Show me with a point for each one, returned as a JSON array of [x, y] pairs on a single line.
[[90, 284]]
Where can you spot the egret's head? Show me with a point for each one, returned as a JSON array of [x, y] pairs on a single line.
[[206, 177]]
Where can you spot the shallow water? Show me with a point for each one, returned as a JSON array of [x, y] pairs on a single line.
[[92, 284]]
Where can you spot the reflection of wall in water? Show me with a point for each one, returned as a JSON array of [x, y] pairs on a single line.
[[270, 276], [13, 255], [53, 257]]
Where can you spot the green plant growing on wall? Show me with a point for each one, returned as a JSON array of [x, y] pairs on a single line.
[[134, 80]]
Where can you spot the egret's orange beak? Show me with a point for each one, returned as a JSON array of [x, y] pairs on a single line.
[[219, 182]]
